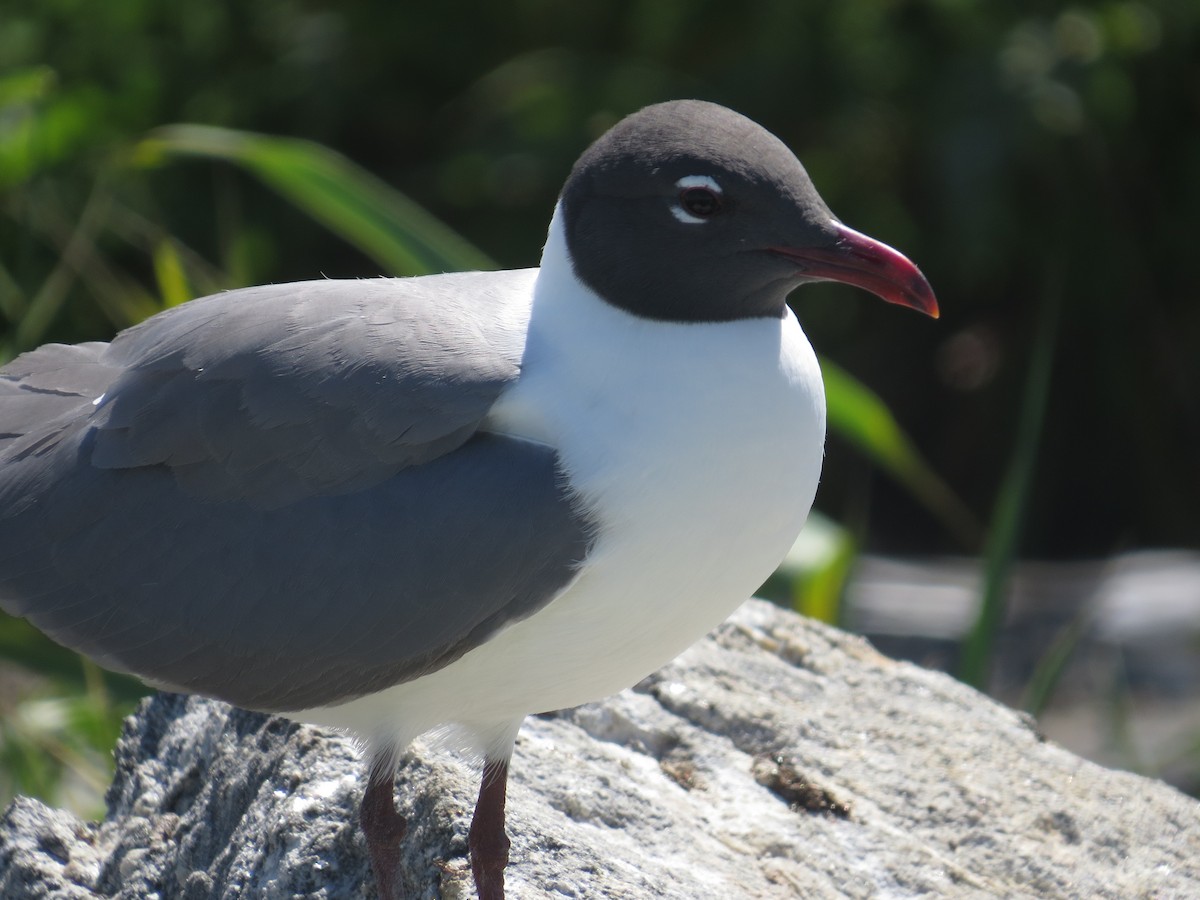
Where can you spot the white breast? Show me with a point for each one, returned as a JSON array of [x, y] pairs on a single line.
[[696, 449]]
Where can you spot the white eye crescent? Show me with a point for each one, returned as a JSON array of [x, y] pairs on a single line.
[[699, 199]]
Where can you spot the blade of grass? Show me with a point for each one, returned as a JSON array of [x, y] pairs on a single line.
[[858, 415], [1046, 675], [27, 85], [22, 92], [42, 308], [172, 280], [58, 747], [23, 644], [1008, 516], [1120, 720], [819, 596], [384, 223], [144, 235], [12, 296], [1185, 755], [812, 576], [120, 297]]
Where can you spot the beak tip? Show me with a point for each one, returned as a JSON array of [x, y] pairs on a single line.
[[927, 303], [855, 259]]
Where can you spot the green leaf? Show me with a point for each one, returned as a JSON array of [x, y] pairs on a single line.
[[58, 746], [812, 577], [382, 222], [169, 273], [23, 644], [1008, 517], [1039, 690], [859, 416], [26, 85]]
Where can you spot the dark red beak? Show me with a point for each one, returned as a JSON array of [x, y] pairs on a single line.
[[864, 262]]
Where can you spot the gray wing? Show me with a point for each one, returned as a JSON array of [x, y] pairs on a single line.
[[280, 496]]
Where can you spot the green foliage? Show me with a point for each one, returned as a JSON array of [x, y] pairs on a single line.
[[812, 577], [397, 233], [58, 746], [56, 740], [59, 721], [1049, 670], [858, 415], [1007, 523]]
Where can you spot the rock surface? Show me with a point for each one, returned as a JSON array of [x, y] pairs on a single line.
[[1129, 692], [778, 758]]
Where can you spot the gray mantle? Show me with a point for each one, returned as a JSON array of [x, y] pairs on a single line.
[[778, 758]]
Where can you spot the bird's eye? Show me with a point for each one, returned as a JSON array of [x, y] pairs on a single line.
[[701, 202], [699, 199]]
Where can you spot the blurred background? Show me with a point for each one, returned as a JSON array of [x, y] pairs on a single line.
[[1039, 161]]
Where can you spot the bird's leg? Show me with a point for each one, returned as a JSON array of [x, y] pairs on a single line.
[[487, 840], [382, 826]]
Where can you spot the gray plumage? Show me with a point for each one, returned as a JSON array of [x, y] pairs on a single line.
[[281, 496]]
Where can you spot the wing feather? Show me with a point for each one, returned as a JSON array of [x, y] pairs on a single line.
[[281, 496]]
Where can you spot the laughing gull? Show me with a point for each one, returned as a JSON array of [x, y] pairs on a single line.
[[398, 505]]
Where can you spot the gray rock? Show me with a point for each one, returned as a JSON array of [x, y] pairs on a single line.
[[778, 758], [1129, 692]]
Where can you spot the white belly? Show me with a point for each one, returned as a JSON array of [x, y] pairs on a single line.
[[700, 481], [696, 450]]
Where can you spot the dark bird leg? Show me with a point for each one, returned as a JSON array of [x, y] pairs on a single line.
[[382, 826], [487, 840]]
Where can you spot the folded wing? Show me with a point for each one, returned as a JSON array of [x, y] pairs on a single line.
[[281, 496]]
